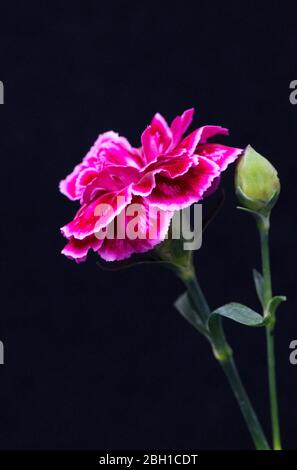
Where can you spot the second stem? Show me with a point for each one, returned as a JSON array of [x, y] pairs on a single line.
[[263, 226]]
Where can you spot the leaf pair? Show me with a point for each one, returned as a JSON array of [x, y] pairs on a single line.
[[234, 311]]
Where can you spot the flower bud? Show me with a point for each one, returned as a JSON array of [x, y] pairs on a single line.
[[256, 182]]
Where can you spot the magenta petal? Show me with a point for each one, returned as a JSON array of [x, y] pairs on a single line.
[[206, 132], [190, 142], [89, 221], [200, 135], [180, 192], [169, 166], [112, 178], [180, 124], [112, 149], [152, 222], [149, 145], [68, 185], [85, 177], [213, 187], [78, 249], [220, 154], [159, 126], [109, 150], [145, 185], [156, 139], [172, 166]]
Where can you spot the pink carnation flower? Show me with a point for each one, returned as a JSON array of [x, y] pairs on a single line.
[[167, 173]]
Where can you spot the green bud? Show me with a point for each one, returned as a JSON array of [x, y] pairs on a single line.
[[256, 182]]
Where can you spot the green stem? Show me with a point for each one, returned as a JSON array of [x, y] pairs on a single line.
[[263, 226], [196, 294], [224, 355], [245, 405]]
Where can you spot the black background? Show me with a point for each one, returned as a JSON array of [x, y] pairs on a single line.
[[102, 360]]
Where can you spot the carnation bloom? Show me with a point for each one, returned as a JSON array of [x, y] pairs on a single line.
[[167, 173]]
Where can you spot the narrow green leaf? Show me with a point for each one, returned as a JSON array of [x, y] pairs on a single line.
[[184, 307], [238, 313], [273, 304], [259, 284]]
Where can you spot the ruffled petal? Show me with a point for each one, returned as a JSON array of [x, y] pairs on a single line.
[[178, 193], [162, 131], [152, 228], [149, 145], [169, 166], [109, 150], [113, 178], [206, 132], [91, 218], [78, 249], [213, 187], [180, 124], [69, 186], [84, 178], [220, 154], [156, 139], [112, 149], [200, 136], [172, 166], [190, 142], [145, 185]]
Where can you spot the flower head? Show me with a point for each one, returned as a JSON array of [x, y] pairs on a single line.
[[167, 173]]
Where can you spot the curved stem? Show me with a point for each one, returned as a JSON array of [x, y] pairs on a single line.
[[223, 354], [267, 294]]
